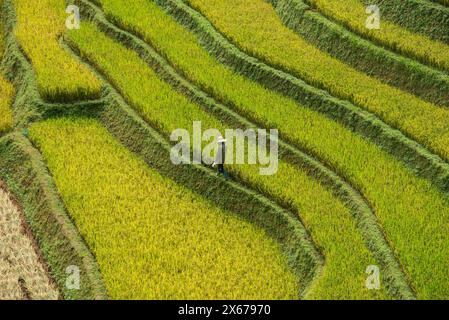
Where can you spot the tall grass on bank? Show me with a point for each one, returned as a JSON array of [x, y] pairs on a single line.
[[419, 16], [59, 76], [330, 222], [445, 2], [152, 238], [2, 32], [255, 27], [399, 198], [351, 13]]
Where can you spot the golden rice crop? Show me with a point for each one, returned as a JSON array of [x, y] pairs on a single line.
[[6, 95], [399, 198], [39, 26], [18, 259], [152, 238], [346, 255], [352, 14], [6, 91], [255, 26]]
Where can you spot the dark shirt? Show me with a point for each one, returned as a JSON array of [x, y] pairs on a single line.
[[221, 154]]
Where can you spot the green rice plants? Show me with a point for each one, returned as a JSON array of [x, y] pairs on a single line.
[[6, 95], [420, 16], [353, 156], [39, 26], [362, 54], [255, 27], [152, 238], [344, 262], [351, 13]]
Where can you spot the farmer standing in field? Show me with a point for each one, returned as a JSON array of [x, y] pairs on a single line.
[[220, 157]]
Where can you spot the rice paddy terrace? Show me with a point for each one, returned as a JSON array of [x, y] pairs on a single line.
[[92, 207]]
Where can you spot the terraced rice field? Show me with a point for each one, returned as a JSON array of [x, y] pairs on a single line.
[[109, 56], [152, 238], [362, 176], [255, 26]]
